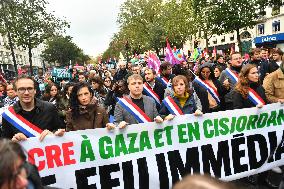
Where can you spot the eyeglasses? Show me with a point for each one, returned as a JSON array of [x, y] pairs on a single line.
[[22, 90]]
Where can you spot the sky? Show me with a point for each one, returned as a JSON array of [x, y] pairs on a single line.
[[93, 22]]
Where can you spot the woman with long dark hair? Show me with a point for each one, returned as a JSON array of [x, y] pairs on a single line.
[[207, 85], [183, 99], [83, 114], [99, 90], [248, 80], [52, 94]]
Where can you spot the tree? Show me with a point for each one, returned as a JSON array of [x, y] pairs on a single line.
[[232, 15], [7, 15], [61, 49], [35, 25]]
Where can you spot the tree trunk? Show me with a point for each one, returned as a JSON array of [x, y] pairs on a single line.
[[11, 45], [206, 39], [30, 60], [239, 41]]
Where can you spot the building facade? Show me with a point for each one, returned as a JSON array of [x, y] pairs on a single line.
[[268, 33], [22, 57]]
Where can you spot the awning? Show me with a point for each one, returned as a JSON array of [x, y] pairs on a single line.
[[275, 38]]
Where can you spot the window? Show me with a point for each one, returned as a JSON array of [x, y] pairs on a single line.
[[232, 38], [260, 29], [223, 39], [276, 26]]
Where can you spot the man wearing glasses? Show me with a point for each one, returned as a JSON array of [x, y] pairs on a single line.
[[31, 111]]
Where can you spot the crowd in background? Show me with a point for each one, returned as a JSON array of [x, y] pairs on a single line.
[[90, 98]]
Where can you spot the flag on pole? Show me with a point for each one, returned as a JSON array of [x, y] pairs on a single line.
[[170, 55], [214, 53], [154, 62], [232, 49]]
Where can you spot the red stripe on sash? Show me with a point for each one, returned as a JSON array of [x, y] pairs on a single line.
[[137, 108], [34, 127]]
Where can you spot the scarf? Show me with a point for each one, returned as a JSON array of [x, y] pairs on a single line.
[[182, 99]]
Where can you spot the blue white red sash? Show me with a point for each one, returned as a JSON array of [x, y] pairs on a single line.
[[209, 88], [26, 127], [134, 110], [253, 96], [172, 106], [163, 80], [149, 91]]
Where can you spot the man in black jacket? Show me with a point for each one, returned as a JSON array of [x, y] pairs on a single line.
[[276, 60], [41, 114], [154, 84]]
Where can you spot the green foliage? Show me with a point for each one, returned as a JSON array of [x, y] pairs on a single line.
[[61, 50], [29, 24]]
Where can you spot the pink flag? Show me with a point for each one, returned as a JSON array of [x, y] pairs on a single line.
[[154, 62], [170, 56]]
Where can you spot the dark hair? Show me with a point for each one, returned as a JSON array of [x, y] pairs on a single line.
[[206, 65], [23, 77], [66, 87], [47, 96], [277, 51], [253, 51], [219, 56], [10, 152], [98, 80], [153, 71], [74, 101], [165, 66]]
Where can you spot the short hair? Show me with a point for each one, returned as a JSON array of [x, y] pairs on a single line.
[[23, 77], [231, 56], [186, 82], [134, 76], [253, 51], [150, 69], [277, 51], [219, 56], [165, 66], [263, 49]]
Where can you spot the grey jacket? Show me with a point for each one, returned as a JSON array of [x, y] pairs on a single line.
[[121, 114]]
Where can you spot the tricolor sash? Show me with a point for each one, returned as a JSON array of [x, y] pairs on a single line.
[[26, 127], [253, 96], [150, 92], [163, 80], [134, 110], [172, 106], [214, 93]]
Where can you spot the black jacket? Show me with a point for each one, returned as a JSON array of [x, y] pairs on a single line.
[[239, 102], [202, 94], [272, 66], [159, 89], [45, 117]]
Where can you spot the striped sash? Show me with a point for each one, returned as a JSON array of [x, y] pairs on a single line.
[[150, 92], [26, 127], [253, 96], [134, 110], [172, 106], [209, 88]]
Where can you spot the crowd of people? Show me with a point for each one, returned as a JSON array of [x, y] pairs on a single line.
[[135, 93]]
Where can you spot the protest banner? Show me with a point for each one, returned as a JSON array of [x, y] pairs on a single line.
[[229, 145], [61, 73]]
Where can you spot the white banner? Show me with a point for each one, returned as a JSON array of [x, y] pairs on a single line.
[[230, 145]]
